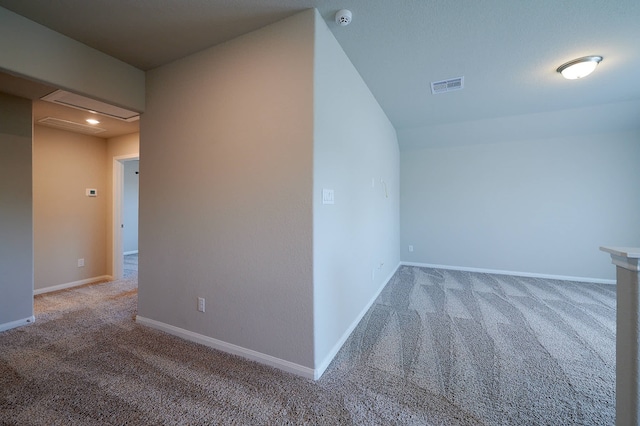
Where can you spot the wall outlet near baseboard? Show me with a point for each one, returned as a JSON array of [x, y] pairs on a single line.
[[200, 304], [80, 263], [410, 249]]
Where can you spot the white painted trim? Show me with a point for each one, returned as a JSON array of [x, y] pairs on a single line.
[[624, 257], [72, 284], [626, 263], [117, 263], [630, 252], [130, 252], [18, 323], [229, 348], [630, 264], [319, 371], [514, 273]]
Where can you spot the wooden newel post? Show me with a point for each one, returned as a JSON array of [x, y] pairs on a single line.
[[627, 333]]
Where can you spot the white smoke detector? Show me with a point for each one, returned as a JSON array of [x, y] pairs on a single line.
[[343, 17]]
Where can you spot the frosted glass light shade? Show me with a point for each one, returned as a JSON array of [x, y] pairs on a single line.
[[579, 68]]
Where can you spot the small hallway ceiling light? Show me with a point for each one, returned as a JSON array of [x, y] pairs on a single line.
[[579, 68], [92, 121]]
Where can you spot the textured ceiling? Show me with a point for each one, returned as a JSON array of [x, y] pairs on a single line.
[[506, 50]]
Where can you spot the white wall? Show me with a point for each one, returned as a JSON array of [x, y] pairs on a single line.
[[491, 198], [225, 195], [355, 151], [237, 143], [67, 224], [130, 206], [16, 223]]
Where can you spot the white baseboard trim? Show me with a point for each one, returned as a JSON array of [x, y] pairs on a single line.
[[514, 273], [229, 348], [319, 371], [130, 252], [18, 323], [72, 284]]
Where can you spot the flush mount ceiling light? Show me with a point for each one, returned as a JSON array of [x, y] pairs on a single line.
[[92, 121], [579, 68]]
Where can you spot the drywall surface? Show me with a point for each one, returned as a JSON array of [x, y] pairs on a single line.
[[38, 53], [225, 192], [68, 225], [123, 146], [130, 206], [540, 206], [16, 224], [558, 124], [126, 146], [356, 239]]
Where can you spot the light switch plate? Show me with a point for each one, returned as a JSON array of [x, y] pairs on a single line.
[[327, 196]]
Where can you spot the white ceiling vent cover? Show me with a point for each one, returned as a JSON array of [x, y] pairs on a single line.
[[91, 105], [447, 85], [70, 125]]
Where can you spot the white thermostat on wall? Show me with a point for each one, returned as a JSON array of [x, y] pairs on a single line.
[[91, 192]]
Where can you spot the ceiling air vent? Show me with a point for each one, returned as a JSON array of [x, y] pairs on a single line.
[[85, 104], [70, 125], [447, 85]]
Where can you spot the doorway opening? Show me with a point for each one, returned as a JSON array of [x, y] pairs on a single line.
[[125, 216]]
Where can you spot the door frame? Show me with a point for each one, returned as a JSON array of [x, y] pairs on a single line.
[[117, 269]]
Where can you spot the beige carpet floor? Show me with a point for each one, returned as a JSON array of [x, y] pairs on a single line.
[[437, 348]]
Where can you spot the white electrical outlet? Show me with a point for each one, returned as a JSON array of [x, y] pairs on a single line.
[[80, 263], [200, 304], [410, 249]]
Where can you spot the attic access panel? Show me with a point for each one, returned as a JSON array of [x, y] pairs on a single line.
[[72, 100]]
